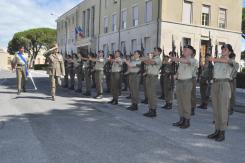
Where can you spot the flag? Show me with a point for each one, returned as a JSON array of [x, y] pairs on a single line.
[[79, 31]]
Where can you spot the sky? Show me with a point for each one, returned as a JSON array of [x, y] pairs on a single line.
[[19, 15]]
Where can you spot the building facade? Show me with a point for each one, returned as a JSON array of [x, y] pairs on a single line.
[[128, 25], [5, 60]]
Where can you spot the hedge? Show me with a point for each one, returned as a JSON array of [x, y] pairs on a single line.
[[241, 80], [40, 67]]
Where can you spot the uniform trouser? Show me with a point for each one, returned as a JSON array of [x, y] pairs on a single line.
[[193, 92], [151, 82], [53, 84], [108, 81], [204, 91], [134, 81], [183, 93], [115, 84], [72, 78], [66, 78], [125, 81], [99, 75], [168, 90], [21, 78], [233, 94], [145, 86], [79, 80], [87, 80], [221, 93], [162, 85]]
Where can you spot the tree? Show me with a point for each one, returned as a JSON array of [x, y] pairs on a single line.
[[243, 55], [33, 40]]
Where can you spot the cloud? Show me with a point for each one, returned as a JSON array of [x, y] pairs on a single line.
[[25, 14]]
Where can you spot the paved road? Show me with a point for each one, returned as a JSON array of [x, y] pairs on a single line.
[[33, 129]]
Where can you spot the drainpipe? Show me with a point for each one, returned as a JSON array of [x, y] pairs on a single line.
[[99, 25], [119, 28], [158, 23]]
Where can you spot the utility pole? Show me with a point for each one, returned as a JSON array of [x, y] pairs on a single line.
[[119, 28]]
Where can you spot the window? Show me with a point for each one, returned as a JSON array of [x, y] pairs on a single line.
[[135, 16], [106, 25], [88, 23], [147, 44], [106, 3], [222, 18], [113, 47], [134, 45], [93, 21], [187, 12], [205, 15], [84, 20], [106, 49], [148, 11], [9, 60], [73, 20], [114, 23], [124, 19], [186, 41], [123, 47]]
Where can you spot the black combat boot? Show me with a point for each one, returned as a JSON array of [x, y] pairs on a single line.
[[192, 111], [185, 124], [151, 113], [115, 102], [100, 96], [110, 102], [145, 101], [179, 123], [214, 135], [87, 94], [201, 106], [221, 136], [169, 107], [165, 106], [133, 107], [78, 91], [128, 97]]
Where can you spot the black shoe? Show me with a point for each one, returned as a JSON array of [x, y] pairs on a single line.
[[221, 136], [110, 102], [192, 111], [128, 97], [185, 124], [124, 89], [214, 135], [99, 96], [145, 101], [165, 106], [24, 90], [133, 107], [65, 86], [78, 91], [161, 97], [231, 111], [179, 123], [203, 106], [150, 113], [87, 94], [115, 102]]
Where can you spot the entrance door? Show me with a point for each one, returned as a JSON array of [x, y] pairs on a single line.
[[204, 49]]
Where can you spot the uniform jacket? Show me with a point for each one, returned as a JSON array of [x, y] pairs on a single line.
[[56, 65]]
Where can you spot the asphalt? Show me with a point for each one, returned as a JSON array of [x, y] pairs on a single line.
[[75, 129]]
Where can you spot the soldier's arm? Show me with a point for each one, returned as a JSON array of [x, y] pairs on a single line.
[[221, 60]]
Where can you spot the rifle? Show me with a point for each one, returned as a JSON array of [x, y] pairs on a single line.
[[210, 64], [173, 65]]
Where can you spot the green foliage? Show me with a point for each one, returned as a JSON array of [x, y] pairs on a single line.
[[33, 40], [243, 55], [241, 79], [243, 20], [40, 67]]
